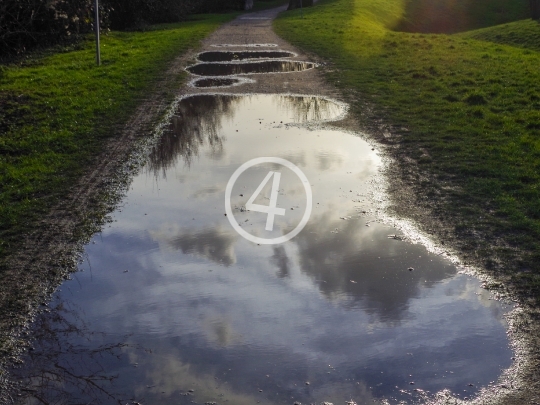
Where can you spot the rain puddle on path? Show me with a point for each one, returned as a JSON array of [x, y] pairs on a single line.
[[227, 69], [216, 82], [175, 307]]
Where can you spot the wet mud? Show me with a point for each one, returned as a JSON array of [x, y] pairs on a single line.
[[229, 56], [246, 45]]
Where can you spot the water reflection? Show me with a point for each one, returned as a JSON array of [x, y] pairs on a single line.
[[195, 124], [214, 244], [60, 369], [215, 82], [244, 68], [198, 120], [229, 56], [365, 264], [226, 320]]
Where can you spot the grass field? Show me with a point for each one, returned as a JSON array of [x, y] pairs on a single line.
[[464, 107], [57, 111]]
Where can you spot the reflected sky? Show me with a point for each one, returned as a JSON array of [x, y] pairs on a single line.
[[336, 307]]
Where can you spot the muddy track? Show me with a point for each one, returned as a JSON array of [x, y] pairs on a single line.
[[50, 253]]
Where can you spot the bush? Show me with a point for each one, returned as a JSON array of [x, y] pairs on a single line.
[[25, 24], [129, 14]]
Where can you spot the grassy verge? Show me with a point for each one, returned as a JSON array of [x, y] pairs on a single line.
[[465, 108], [57, 111], [520, 34]]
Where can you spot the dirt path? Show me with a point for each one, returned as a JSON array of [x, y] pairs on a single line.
[[50, 253], [256, 28]]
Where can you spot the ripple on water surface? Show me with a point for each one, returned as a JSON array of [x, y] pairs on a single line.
[[197, 313]]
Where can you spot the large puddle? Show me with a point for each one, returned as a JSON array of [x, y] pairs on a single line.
[[175, 307], [228, 69]]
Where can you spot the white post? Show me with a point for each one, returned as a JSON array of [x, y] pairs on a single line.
[[96, 27]]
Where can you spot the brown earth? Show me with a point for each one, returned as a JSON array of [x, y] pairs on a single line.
[[50, 253]]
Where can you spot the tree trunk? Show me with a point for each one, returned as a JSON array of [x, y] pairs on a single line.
[[302, 3], [535, 9]]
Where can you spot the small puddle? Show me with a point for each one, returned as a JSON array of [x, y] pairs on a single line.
[[175, 307], [216, 82], [229, 56], [228, 69]]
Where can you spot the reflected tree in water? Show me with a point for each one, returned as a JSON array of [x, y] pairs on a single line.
[[198, 120], [196, 123], [308, 108], [59, 368]]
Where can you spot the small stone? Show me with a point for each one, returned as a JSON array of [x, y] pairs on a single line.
[[411, 383], [410, 269], [307, 382]]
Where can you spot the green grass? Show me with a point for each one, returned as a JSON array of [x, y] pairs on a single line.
[[521, 34], [58, 110], [465, 109]]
